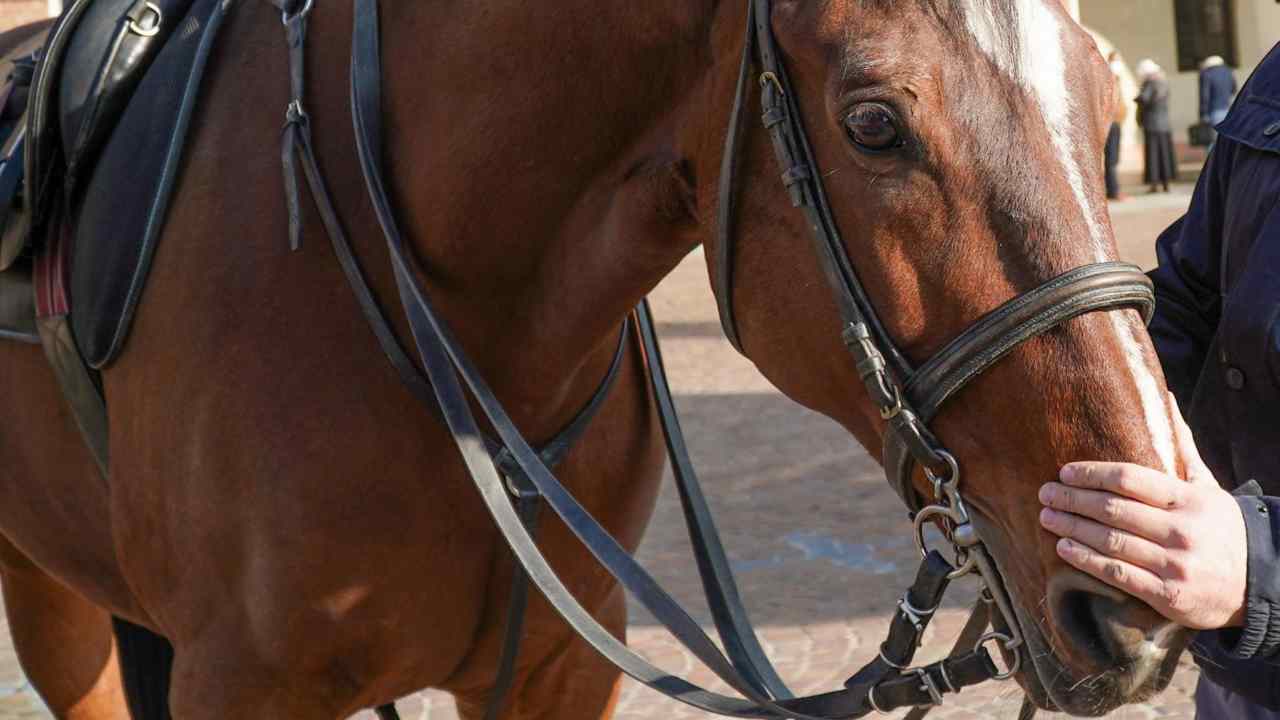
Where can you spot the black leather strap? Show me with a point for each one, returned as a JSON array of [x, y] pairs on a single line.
[[727, 211], [297, 152], [1102, 286], [721, 590], [527, 505], [1091, 288], [974, 627]]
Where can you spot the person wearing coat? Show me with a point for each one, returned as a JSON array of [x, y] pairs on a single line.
[[1217, 87], [1161, 166], [1120, 113], [1204, 558]]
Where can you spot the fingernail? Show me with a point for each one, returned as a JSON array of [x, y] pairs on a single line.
[[1047, 517], [1064, 547], [1046, 493], [1069, 473]]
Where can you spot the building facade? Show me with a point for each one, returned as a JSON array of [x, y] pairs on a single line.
[[1179, 35]]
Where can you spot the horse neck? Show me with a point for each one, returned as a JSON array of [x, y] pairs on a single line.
[[538, 162]]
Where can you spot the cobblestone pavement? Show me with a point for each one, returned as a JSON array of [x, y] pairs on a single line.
[[821, 569]]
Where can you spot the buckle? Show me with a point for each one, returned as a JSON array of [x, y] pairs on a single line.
[[928, 685], [288, 18], [915, 615], [768, 78], [139, 26]]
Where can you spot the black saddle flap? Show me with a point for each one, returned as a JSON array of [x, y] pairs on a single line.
[[126, 196]]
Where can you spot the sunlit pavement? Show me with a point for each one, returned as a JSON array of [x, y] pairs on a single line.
[[821, 545]]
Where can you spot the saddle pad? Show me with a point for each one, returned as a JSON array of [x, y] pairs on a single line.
[[127, 196]]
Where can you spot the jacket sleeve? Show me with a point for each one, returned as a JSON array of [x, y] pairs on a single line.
[[1244, 660], [1187, 281]]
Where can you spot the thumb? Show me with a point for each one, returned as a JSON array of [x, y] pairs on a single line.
[[1197, 472]]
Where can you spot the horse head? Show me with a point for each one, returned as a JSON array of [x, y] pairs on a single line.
[[959, 146]]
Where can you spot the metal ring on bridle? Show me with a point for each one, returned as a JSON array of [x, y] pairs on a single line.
[[871, 699], [894, 410], [927, 514], [952, 478], [152, 29], [889, 662], [942, 668], [287, 17], [967, 566], [1006, 643], [905, 602]]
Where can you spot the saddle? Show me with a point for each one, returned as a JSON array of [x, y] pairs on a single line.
[[93, 118]]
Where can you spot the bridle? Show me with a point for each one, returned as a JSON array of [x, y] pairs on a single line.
[[907, 397], [508, 473]]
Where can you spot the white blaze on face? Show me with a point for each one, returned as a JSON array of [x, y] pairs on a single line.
[[1031, 52], [1154, 406]]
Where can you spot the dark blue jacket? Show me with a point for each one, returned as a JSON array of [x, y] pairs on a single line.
[[1217, 329], [1217, 87]]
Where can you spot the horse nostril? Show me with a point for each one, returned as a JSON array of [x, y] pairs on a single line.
[[1080, 625], [1108, 629], [1120, 627]]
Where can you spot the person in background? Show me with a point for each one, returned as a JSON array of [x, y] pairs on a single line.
[[1199, 556], [1217, 87], [1120, 113], [1157, 133]]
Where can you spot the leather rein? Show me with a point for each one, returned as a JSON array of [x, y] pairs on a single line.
[[514, 479]]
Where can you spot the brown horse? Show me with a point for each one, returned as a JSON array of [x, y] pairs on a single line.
[[304, 532]]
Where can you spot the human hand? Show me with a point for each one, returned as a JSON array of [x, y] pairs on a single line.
[[1181, 547]]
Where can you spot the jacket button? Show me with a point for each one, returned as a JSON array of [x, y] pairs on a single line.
[[1235, 378], [1272, 130]]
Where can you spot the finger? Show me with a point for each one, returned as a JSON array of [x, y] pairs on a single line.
[[1197, 471], [1124, 576], [1132, 481], [1115, 544], [1109, 509]]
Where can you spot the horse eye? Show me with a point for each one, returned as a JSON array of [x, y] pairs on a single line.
[[873, 127]]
